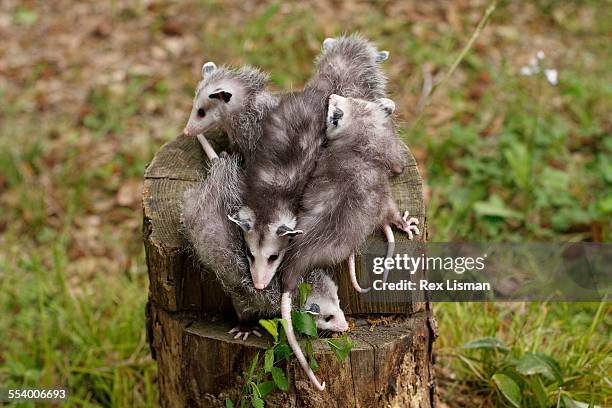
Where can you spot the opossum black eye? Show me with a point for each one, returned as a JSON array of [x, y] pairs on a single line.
[[250, 254], [328, 318], [336, 116], [272, 258], [201, 112]]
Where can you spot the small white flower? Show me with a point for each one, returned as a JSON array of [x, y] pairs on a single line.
[[526, 71], [540, 55], [552, 76]]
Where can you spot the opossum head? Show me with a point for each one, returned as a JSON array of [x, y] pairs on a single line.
[[324, 304], [266, 242], [367, 125], [221, 93], [357, 116]]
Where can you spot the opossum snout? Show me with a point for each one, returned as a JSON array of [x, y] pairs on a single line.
[[188, 132], [193, 129], [261, 276], [342, 324]]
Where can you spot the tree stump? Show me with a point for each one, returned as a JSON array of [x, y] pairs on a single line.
[[188, 315]]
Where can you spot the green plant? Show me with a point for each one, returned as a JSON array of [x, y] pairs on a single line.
[[266, 376], [521, 379]]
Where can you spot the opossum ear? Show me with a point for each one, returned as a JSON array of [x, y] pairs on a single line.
[[382, 56], [221, 95], [386, 105], [314, 309], [208, 68], [245, 223], [327, 43], [285, 231]]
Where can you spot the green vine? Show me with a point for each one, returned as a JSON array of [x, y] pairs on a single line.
[[266, 375]]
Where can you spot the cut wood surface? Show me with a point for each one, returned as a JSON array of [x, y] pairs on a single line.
[[200, 365]]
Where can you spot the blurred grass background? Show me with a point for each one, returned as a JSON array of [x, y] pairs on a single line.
[[90, 90]]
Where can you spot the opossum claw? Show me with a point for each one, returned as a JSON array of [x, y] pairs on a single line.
[[409, 226], [244, 333]]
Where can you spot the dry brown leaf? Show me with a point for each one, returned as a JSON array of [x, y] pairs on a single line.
[[129, 193]]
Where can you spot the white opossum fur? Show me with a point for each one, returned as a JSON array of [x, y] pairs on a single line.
[[292, 139], [354, 170], [234, 100], [218, 244]]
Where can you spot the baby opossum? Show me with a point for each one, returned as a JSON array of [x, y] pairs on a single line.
[[293, 135], [234, 101], [291, 141], [348, 66], [219, 246], [347, 197]]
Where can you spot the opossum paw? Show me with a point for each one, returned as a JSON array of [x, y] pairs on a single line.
[[244, 330], [409, 225]]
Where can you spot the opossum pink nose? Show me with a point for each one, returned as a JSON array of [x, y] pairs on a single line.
[[259, 285], [186, 132]]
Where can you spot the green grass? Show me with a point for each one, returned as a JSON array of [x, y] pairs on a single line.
[[505, 158]]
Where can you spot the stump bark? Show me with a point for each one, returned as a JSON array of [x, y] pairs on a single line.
[[188, 315]]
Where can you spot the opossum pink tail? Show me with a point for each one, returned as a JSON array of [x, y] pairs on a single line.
[[353, 275], [208, 149], [390, 247], [295, 346]]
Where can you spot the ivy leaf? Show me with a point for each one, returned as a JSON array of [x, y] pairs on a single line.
[[304, 323], [266, 387], [305, 290], [271, 327], [508, 389], [282, 351], [341, 347], [279, 379], [257, 402], [268, 360], [229, 403]]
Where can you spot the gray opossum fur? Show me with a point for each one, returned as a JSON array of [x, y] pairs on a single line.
[[348, 194], [218, 244], [243, 122], [349, 66], [290, 144], [292, 140]]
